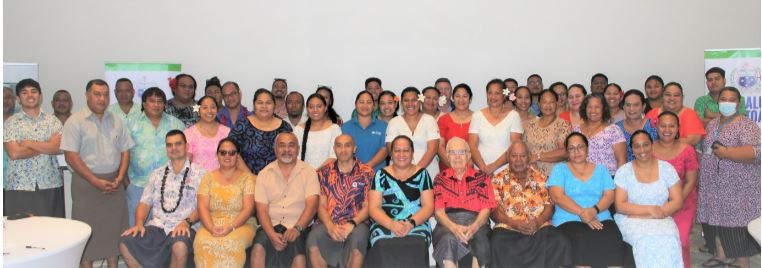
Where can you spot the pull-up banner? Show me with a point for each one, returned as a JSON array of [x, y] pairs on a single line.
[[143, 76]]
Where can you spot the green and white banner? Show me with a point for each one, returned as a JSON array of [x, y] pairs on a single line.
[[742, 71], [143, 76]]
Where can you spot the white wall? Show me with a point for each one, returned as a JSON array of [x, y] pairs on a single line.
[[340, 43]]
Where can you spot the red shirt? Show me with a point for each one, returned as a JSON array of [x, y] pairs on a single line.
[[473, 193], [690, 123], [449, 129]]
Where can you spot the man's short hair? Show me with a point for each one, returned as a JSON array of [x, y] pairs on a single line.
[[237, 88], [27, 83], [176, 132], [599, 75], [96, 81], [372, 79], [442, 80], [716, 70], [123, 79]]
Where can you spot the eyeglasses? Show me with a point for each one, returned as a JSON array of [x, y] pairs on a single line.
[[578, 148], [457, 152], [227, 153], [185, 86]]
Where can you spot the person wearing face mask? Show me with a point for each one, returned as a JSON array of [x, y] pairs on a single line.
[[706, 106], [729, 179]]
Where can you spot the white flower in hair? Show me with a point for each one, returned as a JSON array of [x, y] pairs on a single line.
[[421, 98], [196, 108], [509, 94], [442, 100]]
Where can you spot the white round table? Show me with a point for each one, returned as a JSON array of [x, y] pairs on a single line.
[[44, 242]]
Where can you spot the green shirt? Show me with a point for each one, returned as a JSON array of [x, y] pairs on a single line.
[[706, 102]]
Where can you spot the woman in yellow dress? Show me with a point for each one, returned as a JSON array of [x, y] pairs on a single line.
[[225, 205]]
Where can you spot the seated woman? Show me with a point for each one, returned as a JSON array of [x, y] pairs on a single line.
[[464, 198], [523, 235], [401, 201], [583, 192], [647, 193], [225, 205]]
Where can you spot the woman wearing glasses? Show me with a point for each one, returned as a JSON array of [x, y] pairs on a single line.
[[225, 206], [691, 128], [583, 192]]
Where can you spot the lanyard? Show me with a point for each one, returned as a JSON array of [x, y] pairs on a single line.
[[720, 127]]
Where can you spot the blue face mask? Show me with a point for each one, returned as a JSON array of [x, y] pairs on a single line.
[[727, 108]]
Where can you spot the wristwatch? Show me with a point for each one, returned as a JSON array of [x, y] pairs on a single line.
[[189, 221], [412, 221], [298, 228], [352, 221]]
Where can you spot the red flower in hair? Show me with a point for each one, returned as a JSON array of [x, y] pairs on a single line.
[[396, 98], [172, 83]]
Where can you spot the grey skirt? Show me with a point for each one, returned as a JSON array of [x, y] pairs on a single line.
[[284, 258], [40, 202], [448, 247], [335, 253], [105, 213], [154, 249]]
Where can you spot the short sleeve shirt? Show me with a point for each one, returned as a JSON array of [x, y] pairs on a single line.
[[117, 111], [425, 130], [40, 171], [690, 123], [345, 192], [164, 179], [285, 199], [494, 140], [149, 151], [473, 192], [706, 102], [99, 143], [519, 201], [585, 193], [369, 140], [319, 144], [647, 194], [204, 149], [186, 114], [601, 148]]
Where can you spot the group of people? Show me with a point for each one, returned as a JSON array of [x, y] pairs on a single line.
[[538, 178]]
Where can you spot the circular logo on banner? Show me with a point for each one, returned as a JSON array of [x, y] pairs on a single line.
[[746, 77]]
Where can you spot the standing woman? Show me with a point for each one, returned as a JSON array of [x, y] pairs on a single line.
[[225, 206], [493, 129], [545, 135], [214, 89], [607, 146], [647, 193], [388, 104], [419, 127], [431, 102], [204, 136], [613, 95], [368, 132], [683, 158], [654, 89], [577, 93], [184, 97], [400, 202], [729, 196], [327, 94], [691, 128], [256, 134], [316, 136], [562, 91], [455, 123], [523, 103], [582, 192], [634, 102]]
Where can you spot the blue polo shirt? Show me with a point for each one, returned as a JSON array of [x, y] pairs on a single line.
[[369, 140]]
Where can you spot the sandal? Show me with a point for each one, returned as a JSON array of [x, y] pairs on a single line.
[[732, 264], [703, 249], [714, 262]]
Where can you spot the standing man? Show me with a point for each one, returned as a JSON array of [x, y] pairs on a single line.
[[9, 103], [183, 104], [707, 106], [445, 89], [598, 83], [62, 104], [286, 199], [125, 107], [280, 90], [295, 109], [170, 196], [341, 238], [96, 145], [534, 83], [32, 138], [233, 109], [147, 130]]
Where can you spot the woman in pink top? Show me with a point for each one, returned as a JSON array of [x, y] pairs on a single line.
[[205, 134]]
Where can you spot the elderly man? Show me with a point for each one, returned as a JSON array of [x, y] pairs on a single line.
[[124, 107], [170, 196], [341, 238], [32, 138], [463, 200], [96, 145], [233, 109], [523, 235], [286, 198], [62, 104]]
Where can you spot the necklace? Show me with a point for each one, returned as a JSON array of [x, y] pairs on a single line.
[[182, 186]]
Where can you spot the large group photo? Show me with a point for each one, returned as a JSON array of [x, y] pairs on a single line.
[[341, 134]]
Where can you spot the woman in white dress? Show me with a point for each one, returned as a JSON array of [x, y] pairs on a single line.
[[316, 136], [419, 127], [493, 129]]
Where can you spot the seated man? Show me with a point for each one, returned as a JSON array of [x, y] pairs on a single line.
[[170, 195], [286, 198], [341, 238], [523, 235]]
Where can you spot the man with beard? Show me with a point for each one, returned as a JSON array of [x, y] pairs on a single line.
[[280, 90], [233, 109], [295, 108]]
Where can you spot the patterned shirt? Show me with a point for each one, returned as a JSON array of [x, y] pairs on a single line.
[[224, 116], [706, 102], [152, 194], [149, 151], [519, 201], [473, 192], [117, 111], [37, 171], [99, 143], [185, 114], [345, 192]]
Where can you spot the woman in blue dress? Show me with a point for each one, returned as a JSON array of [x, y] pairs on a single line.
[[256, 134], [647, 194], [401, 201], [633, 104]]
